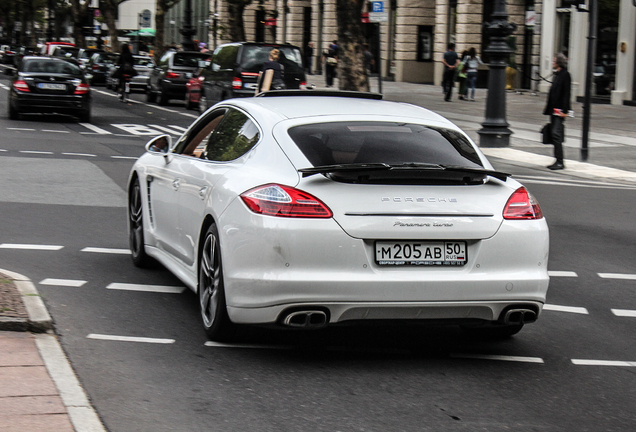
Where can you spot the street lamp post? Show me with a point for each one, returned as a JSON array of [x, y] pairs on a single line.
[[187, 31], [589, 71], [49, 28], [494, 131]]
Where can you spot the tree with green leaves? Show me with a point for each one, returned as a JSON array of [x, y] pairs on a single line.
[[352, 73], [108, 9]]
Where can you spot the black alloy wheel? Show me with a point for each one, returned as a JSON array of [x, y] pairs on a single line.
[[13, 113], [151, 96], [136, 226], [216, 322], [163, 97]]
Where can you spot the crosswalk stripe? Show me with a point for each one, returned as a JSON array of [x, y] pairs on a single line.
[[499, 357], [30, 246], [145, 288], [63, 282], [165, 129], [130, 339]]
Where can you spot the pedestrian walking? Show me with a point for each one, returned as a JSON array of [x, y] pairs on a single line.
[[368, 58], [558, 107], [450, 61], [278, 82], [330, 57], [461, 75], [309, 56], [472, 63]]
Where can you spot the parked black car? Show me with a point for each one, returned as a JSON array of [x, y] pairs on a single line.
[[49, 85], [169, 78], [234, 70], [99, 65]]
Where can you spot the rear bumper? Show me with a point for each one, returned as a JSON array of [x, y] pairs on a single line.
[[174, 88], [32, 103]]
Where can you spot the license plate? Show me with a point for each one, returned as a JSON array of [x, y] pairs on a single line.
[[398, 253], [49, 86]]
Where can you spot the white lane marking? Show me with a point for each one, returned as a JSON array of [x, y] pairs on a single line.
[[106, 93], [79, 154], [95, 129], [89, 133], [165, 129], [63, 282], [228, 345], [3, 150], [35, 152], [137, 129], [55, 131], [4, 87], [125, 157], [555, 273], [21, 129], [581, 362], [499, 358], [617, 276], [129, 339], [146, 288], [106, 250], [571, 309], [30, 246], [189, 115], [624, 313]]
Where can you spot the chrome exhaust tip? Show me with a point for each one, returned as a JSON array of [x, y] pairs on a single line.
[[306, 319], [519, 316]]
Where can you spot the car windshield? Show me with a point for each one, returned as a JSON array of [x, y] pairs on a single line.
[[142, 61], [67, 52], [51, 66], [189, 59], [254, 56], [383, 142]]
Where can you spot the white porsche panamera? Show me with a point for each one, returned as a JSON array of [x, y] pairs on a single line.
[[308, 209]]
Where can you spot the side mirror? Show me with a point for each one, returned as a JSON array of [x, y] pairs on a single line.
[[159, 145]]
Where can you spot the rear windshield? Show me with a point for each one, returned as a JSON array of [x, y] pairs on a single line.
[[379, 142], [67, 52], [46, 65], [254, 56], [189, 59], [142, 61]]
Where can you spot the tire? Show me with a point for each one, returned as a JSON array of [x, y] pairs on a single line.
[[136, 227], [13, 113], [493, 332], [163, 98], [151, 97], [211, 292], [188, 104]]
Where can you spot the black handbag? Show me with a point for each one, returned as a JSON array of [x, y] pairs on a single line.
[[546, 134]]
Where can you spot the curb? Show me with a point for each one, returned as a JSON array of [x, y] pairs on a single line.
[[39, 320], [83, 416]]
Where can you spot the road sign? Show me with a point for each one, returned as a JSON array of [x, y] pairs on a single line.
[[377, 6], [145, 18], [378, 14]]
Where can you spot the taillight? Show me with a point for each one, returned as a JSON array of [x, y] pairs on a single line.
[[172, 75], [81, 89], [237, 83], [95, 67], [21, 85], [284, 201], [522, 205]]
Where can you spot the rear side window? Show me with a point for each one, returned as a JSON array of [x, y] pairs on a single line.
[[235, 136], [188, 59], [225, 58], [383, 142], [253, 57]]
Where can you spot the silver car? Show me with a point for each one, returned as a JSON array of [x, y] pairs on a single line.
[[308, 209], [143, 65]]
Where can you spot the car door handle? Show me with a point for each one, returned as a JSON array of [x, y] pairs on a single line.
[[202, 192], [176, 183]]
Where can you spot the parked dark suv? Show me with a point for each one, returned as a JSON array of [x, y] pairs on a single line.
[[234, 70], [169, 78]]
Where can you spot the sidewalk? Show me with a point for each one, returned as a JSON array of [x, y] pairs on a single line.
[[612, 143], [39, 391]]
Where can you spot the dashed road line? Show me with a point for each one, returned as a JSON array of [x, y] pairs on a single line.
[[624, 313], [63, 282], [30, 246], [79, 154], [146, 288], [583, 362], [106, 250], [556, 273], [621, 276], [248, 346], [570, 309], [125, 157], [55, 131], [36, 152], [21, 129], [520, 359], [130, 339]]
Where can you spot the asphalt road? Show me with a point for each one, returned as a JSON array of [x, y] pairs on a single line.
[[63, 195]]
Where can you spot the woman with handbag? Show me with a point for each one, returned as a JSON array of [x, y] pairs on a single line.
[[331, 63]]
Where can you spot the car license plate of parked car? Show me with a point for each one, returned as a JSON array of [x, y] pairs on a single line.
[[450, 253], [49, 86]]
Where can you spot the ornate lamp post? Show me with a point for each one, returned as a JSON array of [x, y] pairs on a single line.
[[188, 31], [494, 131]]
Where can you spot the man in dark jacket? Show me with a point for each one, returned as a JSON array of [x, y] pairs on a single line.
[[450, 61], [558, 107]]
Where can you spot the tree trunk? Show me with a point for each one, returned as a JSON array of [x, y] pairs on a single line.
[[108, 10], [78, 10], [160, 46], [351, 71], [235, 9]]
